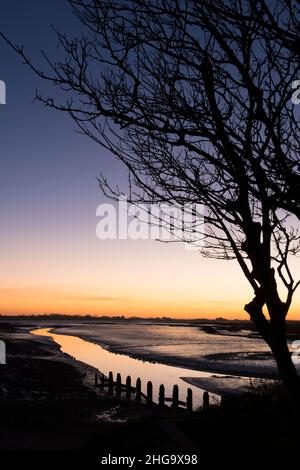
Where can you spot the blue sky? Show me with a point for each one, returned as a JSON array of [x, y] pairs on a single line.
[[51, 260]]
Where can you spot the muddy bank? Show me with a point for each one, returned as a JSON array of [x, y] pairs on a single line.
[[47, 403], [48, 400]]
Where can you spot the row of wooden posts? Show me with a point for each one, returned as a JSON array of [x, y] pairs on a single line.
[[117, 387]]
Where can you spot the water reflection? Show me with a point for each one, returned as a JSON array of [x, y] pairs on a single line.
[[106, 361]]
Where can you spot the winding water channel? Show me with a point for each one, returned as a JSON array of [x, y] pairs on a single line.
[[106, 361]]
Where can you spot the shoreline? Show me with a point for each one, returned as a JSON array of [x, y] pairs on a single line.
[[48, 402], [45, 406]]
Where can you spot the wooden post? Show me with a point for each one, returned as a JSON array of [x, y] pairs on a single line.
[[110, 383], [128, 387], [96, 379], [161, 396], [175, 396], [205, 400], [119, 385], [149, 393], [102, 382], [138, 391], [189, 400]]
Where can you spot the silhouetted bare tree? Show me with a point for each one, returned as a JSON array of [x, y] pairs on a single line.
[[194, 98]]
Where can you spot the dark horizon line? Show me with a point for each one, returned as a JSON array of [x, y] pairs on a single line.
[[112, 317]]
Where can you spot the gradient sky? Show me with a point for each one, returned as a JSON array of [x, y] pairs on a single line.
[[51, 259]]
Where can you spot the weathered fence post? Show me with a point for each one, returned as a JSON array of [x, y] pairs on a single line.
[[205, 400], [96, 379], [175, 397], [102, 382], [138, 390], [149, 393], [110, 383], [128, 387], [119, 385], [161, 396], [189, 400]]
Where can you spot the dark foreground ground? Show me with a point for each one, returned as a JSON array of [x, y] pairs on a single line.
[[48, 403]]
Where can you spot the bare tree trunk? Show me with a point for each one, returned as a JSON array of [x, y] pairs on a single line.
[[274, 333], [286, 368]]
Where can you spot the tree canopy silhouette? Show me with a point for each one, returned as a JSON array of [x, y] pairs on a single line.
[[278, 23]]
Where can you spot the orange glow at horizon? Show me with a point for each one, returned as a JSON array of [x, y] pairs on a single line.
[[76, 301], [131, 278]]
